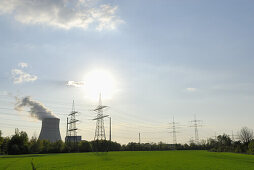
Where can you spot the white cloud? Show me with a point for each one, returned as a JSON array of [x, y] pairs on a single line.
[[106, 18], [191, 89], [23, 65], [19, 76], [62, 13], [75, 83]]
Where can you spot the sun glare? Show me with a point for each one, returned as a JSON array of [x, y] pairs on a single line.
[[99, 81]]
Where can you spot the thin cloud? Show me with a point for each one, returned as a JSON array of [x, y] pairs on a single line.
[[75, 83], [19, 76], [64, 14], [23, 65], [191, 89]]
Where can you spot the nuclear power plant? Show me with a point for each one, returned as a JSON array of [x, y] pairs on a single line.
[[50, 130]]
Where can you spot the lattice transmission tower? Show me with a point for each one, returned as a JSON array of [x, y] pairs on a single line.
[[196, 124], [215, 136], [234, 137], [100, 130], [71, 132], [173, 127]]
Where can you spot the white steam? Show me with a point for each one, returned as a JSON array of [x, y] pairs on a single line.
[[37, 109]]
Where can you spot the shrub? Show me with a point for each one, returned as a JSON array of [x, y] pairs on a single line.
[[251, 147], [85, 146], [18, 143]]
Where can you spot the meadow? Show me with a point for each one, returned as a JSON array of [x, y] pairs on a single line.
[[131, 160]]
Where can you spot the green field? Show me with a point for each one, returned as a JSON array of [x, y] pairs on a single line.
[[131, 160]]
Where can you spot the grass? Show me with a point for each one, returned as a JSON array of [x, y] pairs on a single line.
[[131, 160]]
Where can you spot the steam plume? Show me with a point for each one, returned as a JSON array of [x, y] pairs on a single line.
[[37, 110]]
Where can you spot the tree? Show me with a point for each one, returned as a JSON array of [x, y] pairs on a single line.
[[251, 147], [246, 135], [57, 147], [224, 143], [224, 140], [18, 143], [4, 146], [45, 146], [132, 146], [35, 145], [1, 142], [85, 146], [100, 145], [212, 143], [238, 148]]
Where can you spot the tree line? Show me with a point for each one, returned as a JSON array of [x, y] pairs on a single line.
[[223, 143], [19, 143]]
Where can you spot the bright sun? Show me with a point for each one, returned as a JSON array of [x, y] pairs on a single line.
[[99, 81]]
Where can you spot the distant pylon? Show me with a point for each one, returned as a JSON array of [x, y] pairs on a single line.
[[109, 128], [215, 136], [100, 130], [196, 125], [173, 127], [233, 136], [139, 138]]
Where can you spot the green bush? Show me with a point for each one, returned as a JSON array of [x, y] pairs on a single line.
[[57, 147], [251, 147], [18, 143], [238, 149], [85, 146], [1, 142], [35, 146]]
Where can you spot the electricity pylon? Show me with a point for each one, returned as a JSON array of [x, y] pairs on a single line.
[[233, 136], [196, 124], [71, 125], [100, 130], [173, 126], [215, 136]]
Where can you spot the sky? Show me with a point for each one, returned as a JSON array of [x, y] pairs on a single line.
[[166, 58]]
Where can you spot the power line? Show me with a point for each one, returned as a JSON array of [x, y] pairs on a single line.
[[15, 125], [122, 122]]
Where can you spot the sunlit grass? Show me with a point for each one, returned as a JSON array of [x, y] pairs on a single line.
[[131, 160]]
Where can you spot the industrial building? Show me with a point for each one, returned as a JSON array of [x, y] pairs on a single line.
[[73, 139]]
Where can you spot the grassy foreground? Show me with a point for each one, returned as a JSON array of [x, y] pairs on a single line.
[[131, 160]]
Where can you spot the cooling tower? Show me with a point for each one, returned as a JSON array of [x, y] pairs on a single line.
[[50, 130]]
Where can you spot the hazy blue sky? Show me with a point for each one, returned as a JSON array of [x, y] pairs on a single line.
[[168, 58]]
